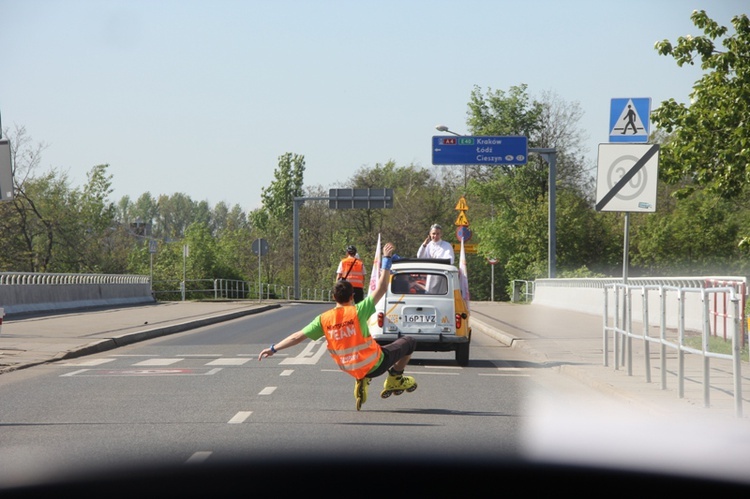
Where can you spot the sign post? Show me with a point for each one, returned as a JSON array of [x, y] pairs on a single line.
[[6, 171], [492, 262], [260, 248]]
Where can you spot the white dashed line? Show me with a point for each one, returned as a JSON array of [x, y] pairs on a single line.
[[267, 390], [89, 362], [240, 417], [286, 372], [158, 362], [199, 457], [227, 362]]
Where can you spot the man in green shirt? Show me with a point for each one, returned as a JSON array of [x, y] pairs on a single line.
[[349, 341]]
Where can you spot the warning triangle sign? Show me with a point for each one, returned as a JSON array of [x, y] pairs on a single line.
[[461, 220], [461, 205], [629, 122]]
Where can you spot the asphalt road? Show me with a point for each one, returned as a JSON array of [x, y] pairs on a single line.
[[202, 396]]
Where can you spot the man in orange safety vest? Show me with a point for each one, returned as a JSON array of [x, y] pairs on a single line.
[[350, 344]]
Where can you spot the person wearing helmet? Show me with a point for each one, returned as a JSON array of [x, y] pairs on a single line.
[[352, 269]]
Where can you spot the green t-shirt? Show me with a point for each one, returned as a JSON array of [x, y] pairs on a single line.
[[365, 309]]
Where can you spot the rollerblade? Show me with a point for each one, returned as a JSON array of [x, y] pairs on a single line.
[[397, 384], [360, 391]]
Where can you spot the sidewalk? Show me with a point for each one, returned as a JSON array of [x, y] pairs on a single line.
[[569, 341], [573, 343]]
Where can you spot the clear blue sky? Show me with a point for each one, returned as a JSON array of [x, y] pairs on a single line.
[[202, 97]]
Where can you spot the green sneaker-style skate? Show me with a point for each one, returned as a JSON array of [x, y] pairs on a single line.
[[397, 385], [360, 391]]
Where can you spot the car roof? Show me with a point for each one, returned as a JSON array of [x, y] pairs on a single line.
[[443, 264]]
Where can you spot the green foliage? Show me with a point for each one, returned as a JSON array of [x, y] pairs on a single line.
[[697, 235], [710, 139], [288, 181]]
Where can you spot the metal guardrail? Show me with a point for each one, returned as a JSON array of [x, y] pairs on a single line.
[[525, 296], [624, 333], [233, 289], [602, 282]]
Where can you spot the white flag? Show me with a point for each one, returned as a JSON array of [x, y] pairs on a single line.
[[375, 275], [463, 275]]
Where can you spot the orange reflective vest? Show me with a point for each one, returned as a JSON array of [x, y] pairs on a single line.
[[355, 269], [354, 354]]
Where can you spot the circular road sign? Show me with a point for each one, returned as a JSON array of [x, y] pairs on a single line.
[[463, 233]]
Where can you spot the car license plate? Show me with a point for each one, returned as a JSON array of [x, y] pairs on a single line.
[[420, 318]]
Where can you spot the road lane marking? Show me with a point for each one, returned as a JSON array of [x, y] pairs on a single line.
[[409, 373], [158, 362], [307, 356], [88, 362], [267, 390], [199, 457], [240, 417], [143, 372], [227, 362], [286, 372]]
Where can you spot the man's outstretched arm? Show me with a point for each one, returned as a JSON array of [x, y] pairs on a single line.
[[289, 341]]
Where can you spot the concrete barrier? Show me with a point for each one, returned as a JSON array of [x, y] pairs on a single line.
[[587, 296], [22, 292]]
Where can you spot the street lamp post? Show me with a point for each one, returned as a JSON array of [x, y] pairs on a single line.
[[443, 128]]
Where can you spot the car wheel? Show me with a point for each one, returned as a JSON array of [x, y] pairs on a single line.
[[462, 354]]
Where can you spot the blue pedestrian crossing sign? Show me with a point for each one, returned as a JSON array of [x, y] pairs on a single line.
[[629, 119]]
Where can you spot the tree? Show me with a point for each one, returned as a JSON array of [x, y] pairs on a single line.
[[289, 179], [709, 143], [510, 204], [420, 199], [274, 220], [175, 214]]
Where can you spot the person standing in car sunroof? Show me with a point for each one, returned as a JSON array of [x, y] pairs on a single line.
[[434, 246]]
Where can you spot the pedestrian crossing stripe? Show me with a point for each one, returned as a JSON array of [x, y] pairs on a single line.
[[629, 120]]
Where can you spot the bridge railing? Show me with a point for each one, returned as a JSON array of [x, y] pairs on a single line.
[[33, 292], [31, 278], [22, 292], [233, 289], [619, 318]]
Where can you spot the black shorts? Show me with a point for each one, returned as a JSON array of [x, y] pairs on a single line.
[[392, 353]]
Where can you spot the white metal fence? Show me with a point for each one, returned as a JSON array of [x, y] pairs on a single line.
[[232, 289], [652, 329]]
